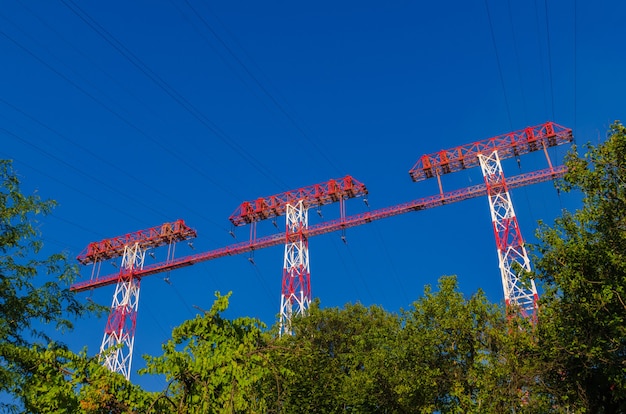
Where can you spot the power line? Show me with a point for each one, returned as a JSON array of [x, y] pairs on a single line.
[[517, 60], [110, 164], [116, 114], [545, 2], [541, 64], [83, 148], [265, 91], [91, 177], [575, 65], [495, 48], [170, 91]]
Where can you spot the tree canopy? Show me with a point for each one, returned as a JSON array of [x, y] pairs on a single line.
[[582, 264], [447, 352]]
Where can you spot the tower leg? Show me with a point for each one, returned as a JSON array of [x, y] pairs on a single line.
[[296, 286], [519, 296], [119, 334]]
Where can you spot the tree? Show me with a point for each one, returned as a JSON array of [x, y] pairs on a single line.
[[340, 360], [463, 355], [33, 296], [446, 353], [582, 323], [215, 365]]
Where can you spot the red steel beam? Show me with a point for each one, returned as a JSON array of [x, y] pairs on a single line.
[[153, 237], [314, 195], [329, 226], [508, 146]]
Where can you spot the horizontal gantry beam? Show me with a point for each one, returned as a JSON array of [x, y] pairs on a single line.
[[157, 236], [311, 196], [508, 145], [327, 227]]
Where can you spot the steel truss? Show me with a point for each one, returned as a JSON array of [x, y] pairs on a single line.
[[519, 295], [295, 297], [119, 334]]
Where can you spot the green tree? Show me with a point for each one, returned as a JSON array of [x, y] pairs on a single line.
[[56, 380], [33, 293], [447, 353], [340, 360], [215, 365], [461, 355], [582, 324]]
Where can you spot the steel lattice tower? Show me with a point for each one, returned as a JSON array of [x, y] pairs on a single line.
[[513, 260], [296, 285], [296, 282], [116, 350], [519, 296], [119, 334]]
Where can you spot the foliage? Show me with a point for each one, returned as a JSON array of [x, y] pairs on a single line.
[[32, 296], [56, 380], [582, 325], [446, 353], [339, 360], [215, 365]]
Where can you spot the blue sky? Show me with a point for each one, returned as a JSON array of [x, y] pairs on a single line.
[[131, 114]]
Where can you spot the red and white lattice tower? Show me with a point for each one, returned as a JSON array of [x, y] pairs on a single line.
[[519, 295], [119, 333], [116, 351], [296, 286]]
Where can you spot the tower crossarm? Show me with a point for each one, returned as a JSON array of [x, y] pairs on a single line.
[[161, 235], [328, 227], [315, 195], [508, 145]]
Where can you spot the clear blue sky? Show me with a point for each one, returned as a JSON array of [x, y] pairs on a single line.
[[131, 114]]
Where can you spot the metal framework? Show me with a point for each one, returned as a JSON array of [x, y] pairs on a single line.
[[153, 237], [328, 227], [508, 145], [312, 196], [119, 334], [296, 284], [116, 349], [296, 289], [513, 260], [295, 297]]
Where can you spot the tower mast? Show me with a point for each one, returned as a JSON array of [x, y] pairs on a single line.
[[116, 350], [296, 284], [512, 256], [296, 287]]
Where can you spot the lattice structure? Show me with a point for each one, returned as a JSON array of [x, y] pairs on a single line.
[[296, 287], [513, 259], [508, 145], [119, 334], [117, 345], [487, 153], [157, 236], [330, 226], [335, 190], [295, 297], [296, 284]]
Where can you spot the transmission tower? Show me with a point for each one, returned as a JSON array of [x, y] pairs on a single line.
[[116, 351], [296, 289], [512, 256], [519, 295], [296, 285]]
